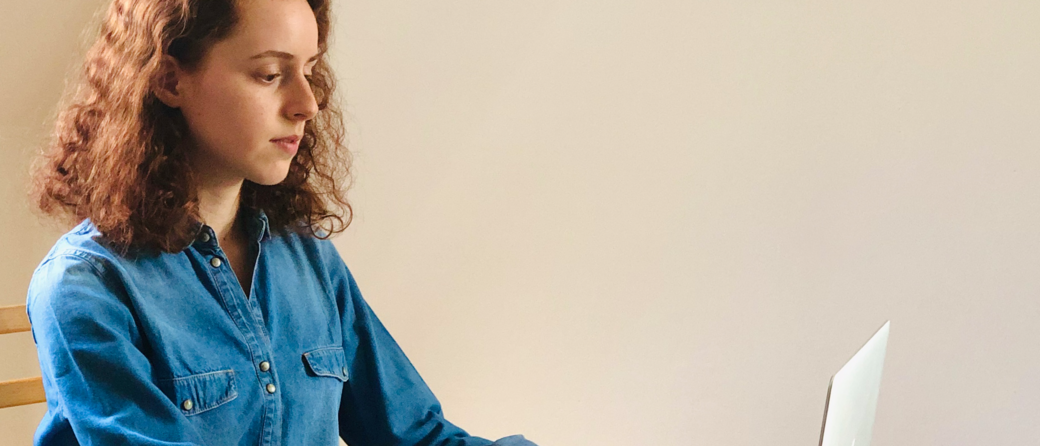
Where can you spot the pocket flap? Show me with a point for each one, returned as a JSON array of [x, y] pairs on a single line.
[[328, 361], [195, 394]]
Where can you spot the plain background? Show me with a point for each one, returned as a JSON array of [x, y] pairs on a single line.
[[662, 222]]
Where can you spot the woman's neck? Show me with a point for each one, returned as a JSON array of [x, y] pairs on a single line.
[[218, 208]]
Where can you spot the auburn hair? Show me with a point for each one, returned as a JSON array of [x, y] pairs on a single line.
[[117, 155]]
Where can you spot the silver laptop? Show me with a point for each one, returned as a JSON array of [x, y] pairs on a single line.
[[848, 418]]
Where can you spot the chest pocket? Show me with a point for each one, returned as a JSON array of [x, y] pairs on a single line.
[[328, 361], [195, 394]]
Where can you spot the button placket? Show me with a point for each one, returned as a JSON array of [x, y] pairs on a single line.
[[244, 314]]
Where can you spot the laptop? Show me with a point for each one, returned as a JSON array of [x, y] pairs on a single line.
[[848, 418]]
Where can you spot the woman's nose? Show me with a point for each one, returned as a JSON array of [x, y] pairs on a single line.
[[303, 105]]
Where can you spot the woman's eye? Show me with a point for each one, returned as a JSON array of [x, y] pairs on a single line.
[[268, 78]]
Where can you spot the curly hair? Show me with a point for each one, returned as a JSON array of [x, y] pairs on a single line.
[[117, 154]]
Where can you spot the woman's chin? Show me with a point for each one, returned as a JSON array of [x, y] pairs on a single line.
[[270, 178]]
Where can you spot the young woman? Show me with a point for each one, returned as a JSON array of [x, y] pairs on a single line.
[[198, 300]]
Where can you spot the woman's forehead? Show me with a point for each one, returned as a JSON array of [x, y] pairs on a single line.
[[286, 26]]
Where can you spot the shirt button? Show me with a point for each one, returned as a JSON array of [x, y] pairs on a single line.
[[265, 366], [344, 371], [204, 237], [215, 262], [187, 404], [270, 388]]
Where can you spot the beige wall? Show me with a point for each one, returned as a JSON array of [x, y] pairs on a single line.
[[669, 222]]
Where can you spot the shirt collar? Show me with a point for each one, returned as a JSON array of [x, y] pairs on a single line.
[[257, 225]]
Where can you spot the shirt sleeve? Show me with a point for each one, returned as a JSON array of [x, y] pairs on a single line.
[[385, 401], [96, 377]]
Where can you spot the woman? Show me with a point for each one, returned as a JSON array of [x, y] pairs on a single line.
[[198, 301]]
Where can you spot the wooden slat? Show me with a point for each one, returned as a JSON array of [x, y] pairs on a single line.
[[19, 392], [13, 319]]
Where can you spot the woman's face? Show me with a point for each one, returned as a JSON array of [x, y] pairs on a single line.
[[249, 90]]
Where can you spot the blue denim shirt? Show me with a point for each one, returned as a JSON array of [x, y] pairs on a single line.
[[167, 349]]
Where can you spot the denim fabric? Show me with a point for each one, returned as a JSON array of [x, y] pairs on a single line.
[[167, 349]]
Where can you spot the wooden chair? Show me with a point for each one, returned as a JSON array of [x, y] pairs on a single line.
[[18, 392]]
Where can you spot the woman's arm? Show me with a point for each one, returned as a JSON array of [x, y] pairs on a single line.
[[97, 380]]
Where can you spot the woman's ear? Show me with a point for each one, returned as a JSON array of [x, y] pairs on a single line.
[[168, 85]]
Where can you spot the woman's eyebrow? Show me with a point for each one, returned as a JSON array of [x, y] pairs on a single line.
[[282, 55]]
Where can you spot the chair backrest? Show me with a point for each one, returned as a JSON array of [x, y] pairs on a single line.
[[18, 392]]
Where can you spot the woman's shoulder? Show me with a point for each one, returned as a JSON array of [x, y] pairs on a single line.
[[313, 244], [78, 266], [83, 243], [82, 262], [318, 250]]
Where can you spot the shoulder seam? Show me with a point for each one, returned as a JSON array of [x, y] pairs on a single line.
[[90, 258]]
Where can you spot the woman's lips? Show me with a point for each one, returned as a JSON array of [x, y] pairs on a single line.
[[290, 144]]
